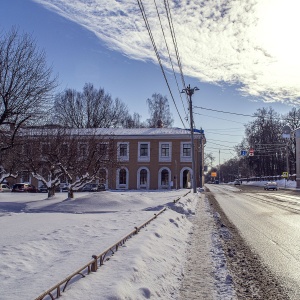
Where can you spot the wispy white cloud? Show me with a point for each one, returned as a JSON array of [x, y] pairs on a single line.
[[251, 42]]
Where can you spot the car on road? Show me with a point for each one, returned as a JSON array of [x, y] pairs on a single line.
[[4, 188], [24, 188], [272, 185], [237, 182]]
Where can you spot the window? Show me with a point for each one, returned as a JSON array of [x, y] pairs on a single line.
[[165, 151], [143, 177], [144, 151], [164, 177], [123, 151], [122, 176], [186, 150]]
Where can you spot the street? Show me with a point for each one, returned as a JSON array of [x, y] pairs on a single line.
[[269, 222]]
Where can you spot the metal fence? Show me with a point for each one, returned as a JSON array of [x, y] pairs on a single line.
[[92, 266]]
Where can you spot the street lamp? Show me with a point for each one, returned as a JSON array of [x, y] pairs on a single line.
[[190, 91]]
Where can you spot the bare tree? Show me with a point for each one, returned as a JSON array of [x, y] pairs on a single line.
[[159, 111], [292, 119], [9, 164], [264, 135], [91, 108], [25, 84]]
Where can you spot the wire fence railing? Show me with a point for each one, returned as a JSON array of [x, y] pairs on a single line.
[[92, 266]]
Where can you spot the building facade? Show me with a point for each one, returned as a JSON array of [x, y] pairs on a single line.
[[149, 158]]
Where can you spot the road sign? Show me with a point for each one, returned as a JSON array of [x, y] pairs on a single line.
[[213, 174], [285, 174], [243, 152], [251, 152]]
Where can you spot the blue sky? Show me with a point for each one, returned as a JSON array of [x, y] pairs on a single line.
[[242, 56]]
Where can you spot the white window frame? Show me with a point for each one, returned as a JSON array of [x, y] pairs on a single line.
[[182, 157], [143, 158], [165, 158], [104, 157], [143, 186], [167, 186], [125, 185], [123, 158]]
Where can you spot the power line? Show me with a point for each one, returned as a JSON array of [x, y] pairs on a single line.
[[219, 118], [224, 112], [171, 62], [244, 115], [223, 141], [157, 54], [223, 133]]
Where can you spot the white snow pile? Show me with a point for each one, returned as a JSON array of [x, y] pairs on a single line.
[[45, 240]]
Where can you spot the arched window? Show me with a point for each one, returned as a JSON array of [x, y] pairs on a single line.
[[143, 177], [165, 177], [122, 176]]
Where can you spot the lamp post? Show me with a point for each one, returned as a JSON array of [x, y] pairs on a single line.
[[190, 91]]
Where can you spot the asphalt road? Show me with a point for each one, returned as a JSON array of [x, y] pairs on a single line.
[[269, 222]]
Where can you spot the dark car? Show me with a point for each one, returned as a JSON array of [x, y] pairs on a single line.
[[23, 188], [93, 187], [43, 189]]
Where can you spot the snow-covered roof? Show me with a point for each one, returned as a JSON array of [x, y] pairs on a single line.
[[142, 131], [117, 132]]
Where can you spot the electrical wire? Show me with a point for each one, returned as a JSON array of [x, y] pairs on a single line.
[[171, 62], [224, 112], [157, 54], [219, 118]]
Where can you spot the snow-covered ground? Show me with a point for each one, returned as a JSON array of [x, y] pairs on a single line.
[[44, 240]]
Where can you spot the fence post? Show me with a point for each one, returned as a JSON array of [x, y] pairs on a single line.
[[94, 264]]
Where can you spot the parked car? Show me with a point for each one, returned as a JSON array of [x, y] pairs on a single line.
[[101, 187], [237, 182], [43, 189], [63, 187], [93, 187], [23, 188], [4, 188], [272, 185]]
